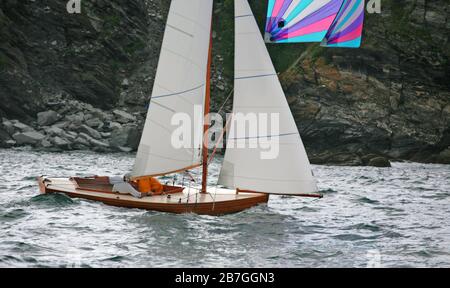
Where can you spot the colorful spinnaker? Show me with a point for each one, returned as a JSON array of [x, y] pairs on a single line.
[[346, 30], [335, 23]]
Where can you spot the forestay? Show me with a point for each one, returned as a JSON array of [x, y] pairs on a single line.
[[258, 90], [179, 87]]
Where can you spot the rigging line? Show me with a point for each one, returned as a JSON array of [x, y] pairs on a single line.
[[211, 157], [191, 178], [225, 129], [187, 200], [189, 188], [226, 101], [196, 200], [214, 198]]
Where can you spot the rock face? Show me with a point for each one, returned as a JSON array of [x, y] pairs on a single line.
[[47, 118], [91, 75], [28, 138], [444, 156], [91, 132], [123, 117], [379, 162], [47, 52], [4, 138], [127, 136], [85, 127]]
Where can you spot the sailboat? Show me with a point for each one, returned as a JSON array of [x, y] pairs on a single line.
[[182, 83]]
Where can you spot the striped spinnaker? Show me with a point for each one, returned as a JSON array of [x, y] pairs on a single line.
[[346, 30], [335, 23], [300, 20]]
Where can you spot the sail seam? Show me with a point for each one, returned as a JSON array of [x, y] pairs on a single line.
[[167, 158], [255, 76], [161, 126], [163, 106], [182, 56], [242, 16], [181, 31], [266, 179], [178, 93], [199, 24], [267, 136]]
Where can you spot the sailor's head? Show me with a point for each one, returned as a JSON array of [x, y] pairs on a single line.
[[127, 177]]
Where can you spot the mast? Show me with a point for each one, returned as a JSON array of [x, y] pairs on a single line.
[[206, 118]]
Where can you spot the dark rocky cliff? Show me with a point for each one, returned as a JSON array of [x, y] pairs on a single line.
[[47, 54], [390, 99]]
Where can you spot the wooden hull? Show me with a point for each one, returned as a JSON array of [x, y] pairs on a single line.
[[217, 202]]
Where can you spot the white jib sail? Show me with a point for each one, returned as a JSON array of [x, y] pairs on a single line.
[[179, 89], [258, 90]]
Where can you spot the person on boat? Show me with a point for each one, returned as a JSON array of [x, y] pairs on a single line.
[[149, 186], [122, 185], [142, 187]]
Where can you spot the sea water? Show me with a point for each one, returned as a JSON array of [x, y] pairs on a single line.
[[369, 217]]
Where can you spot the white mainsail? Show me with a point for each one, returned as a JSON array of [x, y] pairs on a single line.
[[258, 90], [180, 87]]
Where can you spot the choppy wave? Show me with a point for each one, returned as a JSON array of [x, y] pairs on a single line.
[[398, 214]]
